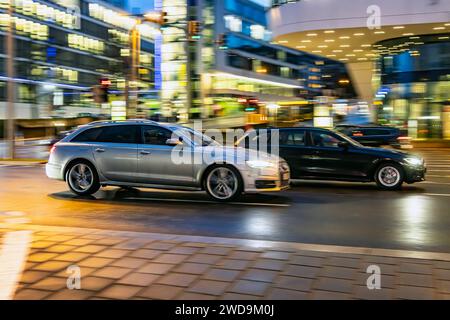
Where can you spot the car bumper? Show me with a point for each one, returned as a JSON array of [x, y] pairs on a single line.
[[278, 181], [415, 174], [54, 171]]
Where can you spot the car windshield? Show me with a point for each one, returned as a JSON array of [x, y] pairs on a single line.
[[198, 138], [347, 138]]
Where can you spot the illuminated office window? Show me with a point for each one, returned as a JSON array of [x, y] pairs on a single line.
[[84, 43]]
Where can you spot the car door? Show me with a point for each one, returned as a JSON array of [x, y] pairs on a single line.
[[332, 161], [295, 150], [156, 162], [115, 152]]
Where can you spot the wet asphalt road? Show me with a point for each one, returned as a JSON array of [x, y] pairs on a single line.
[[349, 214]]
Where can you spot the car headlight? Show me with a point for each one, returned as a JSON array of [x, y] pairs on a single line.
[[414, 161], [260, 164]]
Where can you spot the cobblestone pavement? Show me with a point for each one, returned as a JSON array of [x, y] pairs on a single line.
[[133, 265]]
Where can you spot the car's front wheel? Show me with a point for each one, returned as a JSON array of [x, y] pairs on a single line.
[[82, 178], [389, 176], [223, 183]]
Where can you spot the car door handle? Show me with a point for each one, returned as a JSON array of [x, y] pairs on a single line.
[[99, 150], [145, 152]]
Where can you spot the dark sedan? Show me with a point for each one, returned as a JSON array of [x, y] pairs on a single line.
[[315, 153], [375, 136]]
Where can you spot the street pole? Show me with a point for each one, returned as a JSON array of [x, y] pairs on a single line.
[[188, 74], [131, 94], [199, 58], [10, 114]]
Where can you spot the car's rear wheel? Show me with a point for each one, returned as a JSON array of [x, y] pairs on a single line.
[[389, 176], [223, 183], [82, 178]]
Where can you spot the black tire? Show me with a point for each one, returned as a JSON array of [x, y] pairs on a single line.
[[90, 188], [393, 176], [237, 189]]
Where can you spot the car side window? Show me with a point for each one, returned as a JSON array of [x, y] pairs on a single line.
[[292, 137], [323, 139], [118, 134], [357, 133], [89, 135], [155, 135]]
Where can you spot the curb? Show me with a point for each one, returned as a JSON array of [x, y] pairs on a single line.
[[249, 243], [22, 162]]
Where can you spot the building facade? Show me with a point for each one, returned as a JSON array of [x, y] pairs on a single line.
[[231, 66], [397, 53], [64, 49]]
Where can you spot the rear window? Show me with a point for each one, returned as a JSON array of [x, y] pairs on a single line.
[[119, 134], [112, 134], [89, 135]]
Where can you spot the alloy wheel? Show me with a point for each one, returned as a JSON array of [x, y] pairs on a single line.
[[389, 176], [81, 177], [222, 183]]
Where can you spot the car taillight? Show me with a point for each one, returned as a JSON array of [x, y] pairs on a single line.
[[52, 149]]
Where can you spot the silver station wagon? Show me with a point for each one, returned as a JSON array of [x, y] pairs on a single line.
[[141, 153]]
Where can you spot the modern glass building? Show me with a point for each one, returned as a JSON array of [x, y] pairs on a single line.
[[415, 84], [397, 54], [64, 48], [232, 66]]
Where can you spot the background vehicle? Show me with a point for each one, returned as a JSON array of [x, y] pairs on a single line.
[[59, 136], [315, 153], [141, 153], [371, 135]]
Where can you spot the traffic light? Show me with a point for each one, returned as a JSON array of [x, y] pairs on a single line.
[[222, 41], [164, 19], [194, 29]]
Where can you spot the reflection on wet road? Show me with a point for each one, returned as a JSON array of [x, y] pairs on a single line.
[[351, 214]]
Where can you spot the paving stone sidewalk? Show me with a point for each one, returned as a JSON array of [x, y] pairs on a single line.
[[132, 265]]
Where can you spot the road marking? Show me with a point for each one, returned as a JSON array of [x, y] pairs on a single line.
[[433, 182], [437, 176], [438, 166], [212, 202], [438, 194], [14, 217]]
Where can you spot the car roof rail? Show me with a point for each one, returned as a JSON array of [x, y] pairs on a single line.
[[121, 121]]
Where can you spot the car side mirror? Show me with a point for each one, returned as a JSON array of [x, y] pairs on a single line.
[[174, 141], [344, 145]]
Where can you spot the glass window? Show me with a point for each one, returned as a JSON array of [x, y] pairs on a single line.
[[292, 138], [374, 132], [322, 139], [156, 135], [118, 134], [90, 135]]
